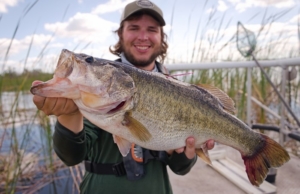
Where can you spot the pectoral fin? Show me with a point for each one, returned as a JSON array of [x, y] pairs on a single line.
[[136, 128], [123, 145], [203, 154]]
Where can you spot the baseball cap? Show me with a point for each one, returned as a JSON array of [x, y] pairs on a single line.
[[143, 5]]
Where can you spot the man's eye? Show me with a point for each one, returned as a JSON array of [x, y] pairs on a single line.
[[153, 30]]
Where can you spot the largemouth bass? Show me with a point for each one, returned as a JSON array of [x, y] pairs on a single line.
[[156, 111]]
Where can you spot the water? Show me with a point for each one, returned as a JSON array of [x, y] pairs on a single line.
[[21, 129]]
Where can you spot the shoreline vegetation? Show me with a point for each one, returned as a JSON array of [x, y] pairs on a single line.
[[13, 82]]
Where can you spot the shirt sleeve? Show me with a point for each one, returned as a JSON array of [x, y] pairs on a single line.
[[72, 148], [180, 164]]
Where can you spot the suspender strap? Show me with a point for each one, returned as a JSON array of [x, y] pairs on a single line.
[[118, 169], [114, 169]]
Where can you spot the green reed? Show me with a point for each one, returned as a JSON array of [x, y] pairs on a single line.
[[233, 81], [17, 164]]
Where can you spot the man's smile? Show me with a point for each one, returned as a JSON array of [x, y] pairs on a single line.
[[142, 48]]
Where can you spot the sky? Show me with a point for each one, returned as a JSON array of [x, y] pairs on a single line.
[[33, 32]]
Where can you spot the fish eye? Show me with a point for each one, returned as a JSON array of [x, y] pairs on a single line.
[[89, 59]]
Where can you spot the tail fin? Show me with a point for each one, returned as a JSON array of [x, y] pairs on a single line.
[[271, 155]]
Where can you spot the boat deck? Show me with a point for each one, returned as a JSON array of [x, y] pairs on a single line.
[[206, 179]]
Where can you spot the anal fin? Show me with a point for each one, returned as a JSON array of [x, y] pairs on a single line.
[[203, 154]]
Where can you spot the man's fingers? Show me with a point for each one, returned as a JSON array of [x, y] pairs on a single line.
[[64, 106], [70, 106], [210, 144], [49, 106], [190, 148], [54, 106], [38, 101], [58, 106]]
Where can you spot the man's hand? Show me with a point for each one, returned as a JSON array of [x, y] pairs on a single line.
[[54, 106], [190, 148], [65, 109]]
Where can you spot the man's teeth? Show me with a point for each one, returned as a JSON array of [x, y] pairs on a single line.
[[142, 47]]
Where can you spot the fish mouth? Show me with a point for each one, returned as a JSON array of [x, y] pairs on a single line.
[[117, 108]]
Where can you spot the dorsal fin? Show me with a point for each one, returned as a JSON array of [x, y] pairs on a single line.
[[226, 102]]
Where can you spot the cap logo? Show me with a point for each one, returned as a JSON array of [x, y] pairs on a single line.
[[144, 4]]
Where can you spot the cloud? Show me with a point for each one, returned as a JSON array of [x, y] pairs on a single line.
[[277, 3], [275, 41], [167, 28], [210, 10], [84, 27], [5, 3], [19, 45], [46, 63], [295, 19], [111, 6], [222, 6], [242, 5]]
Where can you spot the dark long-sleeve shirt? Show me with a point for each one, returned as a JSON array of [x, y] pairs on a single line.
[[97, 145]]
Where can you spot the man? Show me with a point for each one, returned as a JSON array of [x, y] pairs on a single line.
[[141, 42]]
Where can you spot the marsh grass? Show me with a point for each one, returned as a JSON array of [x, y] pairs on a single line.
[[28, 169], [27, 165]]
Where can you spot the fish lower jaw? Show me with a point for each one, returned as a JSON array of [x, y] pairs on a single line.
[[92, 110], [117, 108], [103, 110], [121, 106]]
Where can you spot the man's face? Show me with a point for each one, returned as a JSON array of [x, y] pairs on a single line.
[[142, 41]]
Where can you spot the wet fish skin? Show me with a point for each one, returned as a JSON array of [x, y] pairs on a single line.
[[156, 111]]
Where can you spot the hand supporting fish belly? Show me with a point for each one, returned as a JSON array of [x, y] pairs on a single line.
[[157, 112]]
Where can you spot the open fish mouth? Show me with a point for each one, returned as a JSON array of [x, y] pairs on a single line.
[[117, 108]]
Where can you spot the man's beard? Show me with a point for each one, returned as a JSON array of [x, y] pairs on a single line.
[[141, 63]]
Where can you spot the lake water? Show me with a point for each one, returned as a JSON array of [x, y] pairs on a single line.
[[21, 127]]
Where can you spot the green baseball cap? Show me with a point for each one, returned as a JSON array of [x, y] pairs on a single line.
[[143, 5]]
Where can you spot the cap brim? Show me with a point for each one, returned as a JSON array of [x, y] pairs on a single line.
[[153, 13]]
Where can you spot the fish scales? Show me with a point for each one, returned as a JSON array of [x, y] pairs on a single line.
[[194, 108], [156, 111]]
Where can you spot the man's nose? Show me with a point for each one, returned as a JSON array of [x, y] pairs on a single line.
[[143, 36]]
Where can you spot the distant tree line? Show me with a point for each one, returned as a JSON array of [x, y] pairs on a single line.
[[12, 81]]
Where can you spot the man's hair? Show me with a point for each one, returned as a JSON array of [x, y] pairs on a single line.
[[118, 48]]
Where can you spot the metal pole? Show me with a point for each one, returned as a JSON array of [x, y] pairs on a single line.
[[275, 89], [249, 95], [282, 110]]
